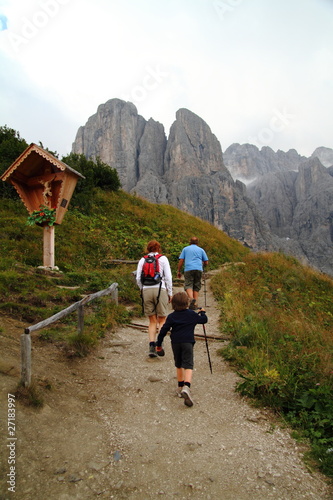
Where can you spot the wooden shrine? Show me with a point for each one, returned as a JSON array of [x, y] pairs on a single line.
[[40, 179]]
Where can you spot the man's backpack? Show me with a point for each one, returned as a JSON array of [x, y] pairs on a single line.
[[150, 274]]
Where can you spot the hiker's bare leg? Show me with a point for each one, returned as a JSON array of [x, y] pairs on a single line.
[[180, 374], [152, 328], [155, 324], [184, 375], [195, 296], [160, 323], [189, 292], [188, 375]]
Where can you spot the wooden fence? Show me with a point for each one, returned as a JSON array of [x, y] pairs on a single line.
[[79, 307]]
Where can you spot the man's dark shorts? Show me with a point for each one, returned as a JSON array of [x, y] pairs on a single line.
[[183, 355], [193, 280]]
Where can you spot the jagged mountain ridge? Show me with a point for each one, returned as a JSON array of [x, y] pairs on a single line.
[[325, 155], [189, 171], [299, 206], [246, 162], [295, 194], [186, 170]]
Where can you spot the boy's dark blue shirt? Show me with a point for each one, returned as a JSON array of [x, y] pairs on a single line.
[[181, 324]]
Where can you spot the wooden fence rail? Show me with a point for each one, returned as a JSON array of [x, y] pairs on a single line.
[[77, 306]]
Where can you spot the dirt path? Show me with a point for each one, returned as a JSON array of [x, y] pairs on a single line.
[[113, 428]]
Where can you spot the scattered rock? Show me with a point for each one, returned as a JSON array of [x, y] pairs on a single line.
[[62, 470], [74, 479], [154, 378]]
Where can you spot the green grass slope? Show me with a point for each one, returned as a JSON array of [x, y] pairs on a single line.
[[119, 227], [279, 315]]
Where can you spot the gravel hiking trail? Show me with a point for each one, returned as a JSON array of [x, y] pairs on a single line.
[[113, 427]]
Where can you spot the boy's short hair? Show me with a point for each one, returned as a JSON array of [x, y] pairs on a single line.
[[179, 301]]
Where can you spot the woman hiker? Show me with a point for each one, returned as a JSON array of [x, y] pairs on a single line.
[[157, 294]]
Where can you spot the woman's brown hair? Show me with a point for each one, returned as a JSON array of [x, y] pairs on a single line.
[[154, 246], [179, 301]]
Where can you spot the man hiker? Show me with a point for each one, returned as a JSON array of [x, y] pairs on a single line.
[[194, 258]]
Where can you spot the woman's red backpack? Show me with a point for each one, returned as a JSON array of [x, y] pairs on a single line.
[[150, 274]]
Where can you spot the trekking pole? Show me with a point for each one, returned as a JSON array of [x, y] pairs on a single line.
[[210, 363], [205, 291]]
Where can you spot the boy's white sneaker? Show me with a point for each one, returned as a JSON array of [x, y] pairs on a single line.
[[186, 394], [179, 392]]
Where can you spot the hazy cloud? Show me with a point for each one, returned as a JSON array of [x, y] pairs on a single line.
[[255, 71]]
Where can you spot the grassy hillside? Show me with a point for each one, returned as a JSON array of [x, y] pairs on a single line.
[[119, 227], [278, 314]]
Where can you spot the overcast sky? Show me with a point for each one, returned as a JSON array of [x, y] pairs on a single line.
[[257, 71]]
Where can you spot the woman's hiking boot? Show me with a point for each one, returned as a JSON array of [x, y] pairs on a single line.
[[152, 351], [192, 305]]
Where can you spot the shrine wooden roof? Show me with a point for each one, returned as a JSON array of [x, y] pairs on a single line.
[[33, 161]]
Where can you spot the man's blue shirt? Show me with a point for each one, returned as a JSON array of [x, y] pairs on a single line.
[[194, 256]]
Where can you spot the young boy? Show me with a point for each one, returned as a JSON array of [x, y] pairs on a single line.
[[182, 322]]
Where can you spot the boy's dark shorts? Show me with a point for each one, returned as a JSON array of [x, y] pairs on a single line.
[[183, 355], [193, 280]]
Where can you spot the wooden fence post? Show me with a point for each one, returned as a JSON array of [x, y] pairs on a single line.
[[79, 306], [114, 295], [26, 359], [80, 319]]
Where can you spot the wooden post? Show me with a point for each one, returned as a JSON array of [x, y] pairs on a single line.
[[26, 359], [80, 319], [114, 295], [48, 246], [78, 306]]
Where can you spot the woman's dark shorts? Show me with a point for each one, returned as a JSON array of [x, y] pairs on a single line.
[[183, 355]]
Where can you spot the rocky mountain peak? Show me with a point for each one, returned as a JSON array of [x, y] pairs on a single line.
[[325, 155], [193, 146], [185, 170], [246, 162], [288, 202]]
